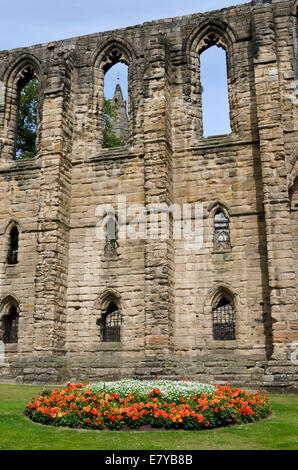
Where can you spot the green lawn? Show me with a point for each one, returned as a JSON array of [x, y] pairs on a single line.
[[278, 432]]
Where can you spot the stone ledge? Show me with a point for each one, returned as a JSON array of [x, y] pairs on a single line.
[[116, 153], [21, 165], [225, 344], [11, 348], [12, 270], [110, 346], [219, 141]]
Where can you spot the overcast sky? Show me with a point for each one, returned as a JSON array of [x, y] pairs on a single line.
[[28, 22]]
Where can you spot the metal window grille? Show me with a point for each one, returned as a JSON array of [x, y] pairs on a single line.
[[11, 323], [221, 231], [12, 255], [112, 326], [223, 319]]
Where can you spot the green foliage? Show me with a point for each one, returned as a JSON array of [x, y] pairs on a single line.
[[210, 407], [27, 120], [46, 392], [109, 137], [17, 432]]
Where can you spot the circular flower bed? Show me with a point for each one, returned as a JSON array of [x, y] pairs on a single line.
[[159, 404]]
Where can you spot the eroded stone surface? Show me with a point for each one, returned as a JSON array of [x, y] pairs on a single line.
[[165, 290]]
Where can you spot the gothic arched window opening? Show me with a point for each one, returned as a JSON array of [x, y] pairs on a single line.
[[115, 106], [221, 238], [27, 115], [13, 246], [111, 324], [10, 327], [223, 320], [215, 95]]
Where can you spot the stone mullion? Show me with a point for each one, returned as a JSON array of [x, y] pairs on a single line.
[[8, 119], [88, 130], [52, 244], [158, 189], [156, 258], [276, 204]]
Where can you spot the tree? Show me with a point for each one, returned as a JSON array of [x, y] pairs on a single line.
[[27, 120], [109, 137]]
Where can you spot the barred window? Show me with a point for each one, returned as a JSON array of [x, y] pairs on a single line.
[[223, 320], [11, 323], [13, 247], [111, 327], [221, 231]]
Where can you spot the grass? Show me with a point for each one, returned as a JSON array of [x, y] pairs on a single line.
[[278, 432]]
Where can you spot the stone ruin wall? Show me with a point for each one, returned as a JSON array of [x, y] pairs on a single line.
[[62, 282]]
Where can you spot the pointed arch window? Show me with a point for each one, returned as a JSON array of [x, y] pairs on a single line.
[[223, 319], [13, 247], [212, 74], [27, 116], [115, 132], [215, 93], [221, 238], [10, 327], [22, 117], [111, 324], [115, 67]]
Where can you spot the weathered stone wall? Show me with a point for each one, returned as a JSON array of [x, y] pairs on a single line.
[[92, 275], [20, 183], [64, 280]]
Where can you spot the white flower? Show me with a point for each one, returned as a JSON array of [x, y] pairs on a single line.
[[171, 390]]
